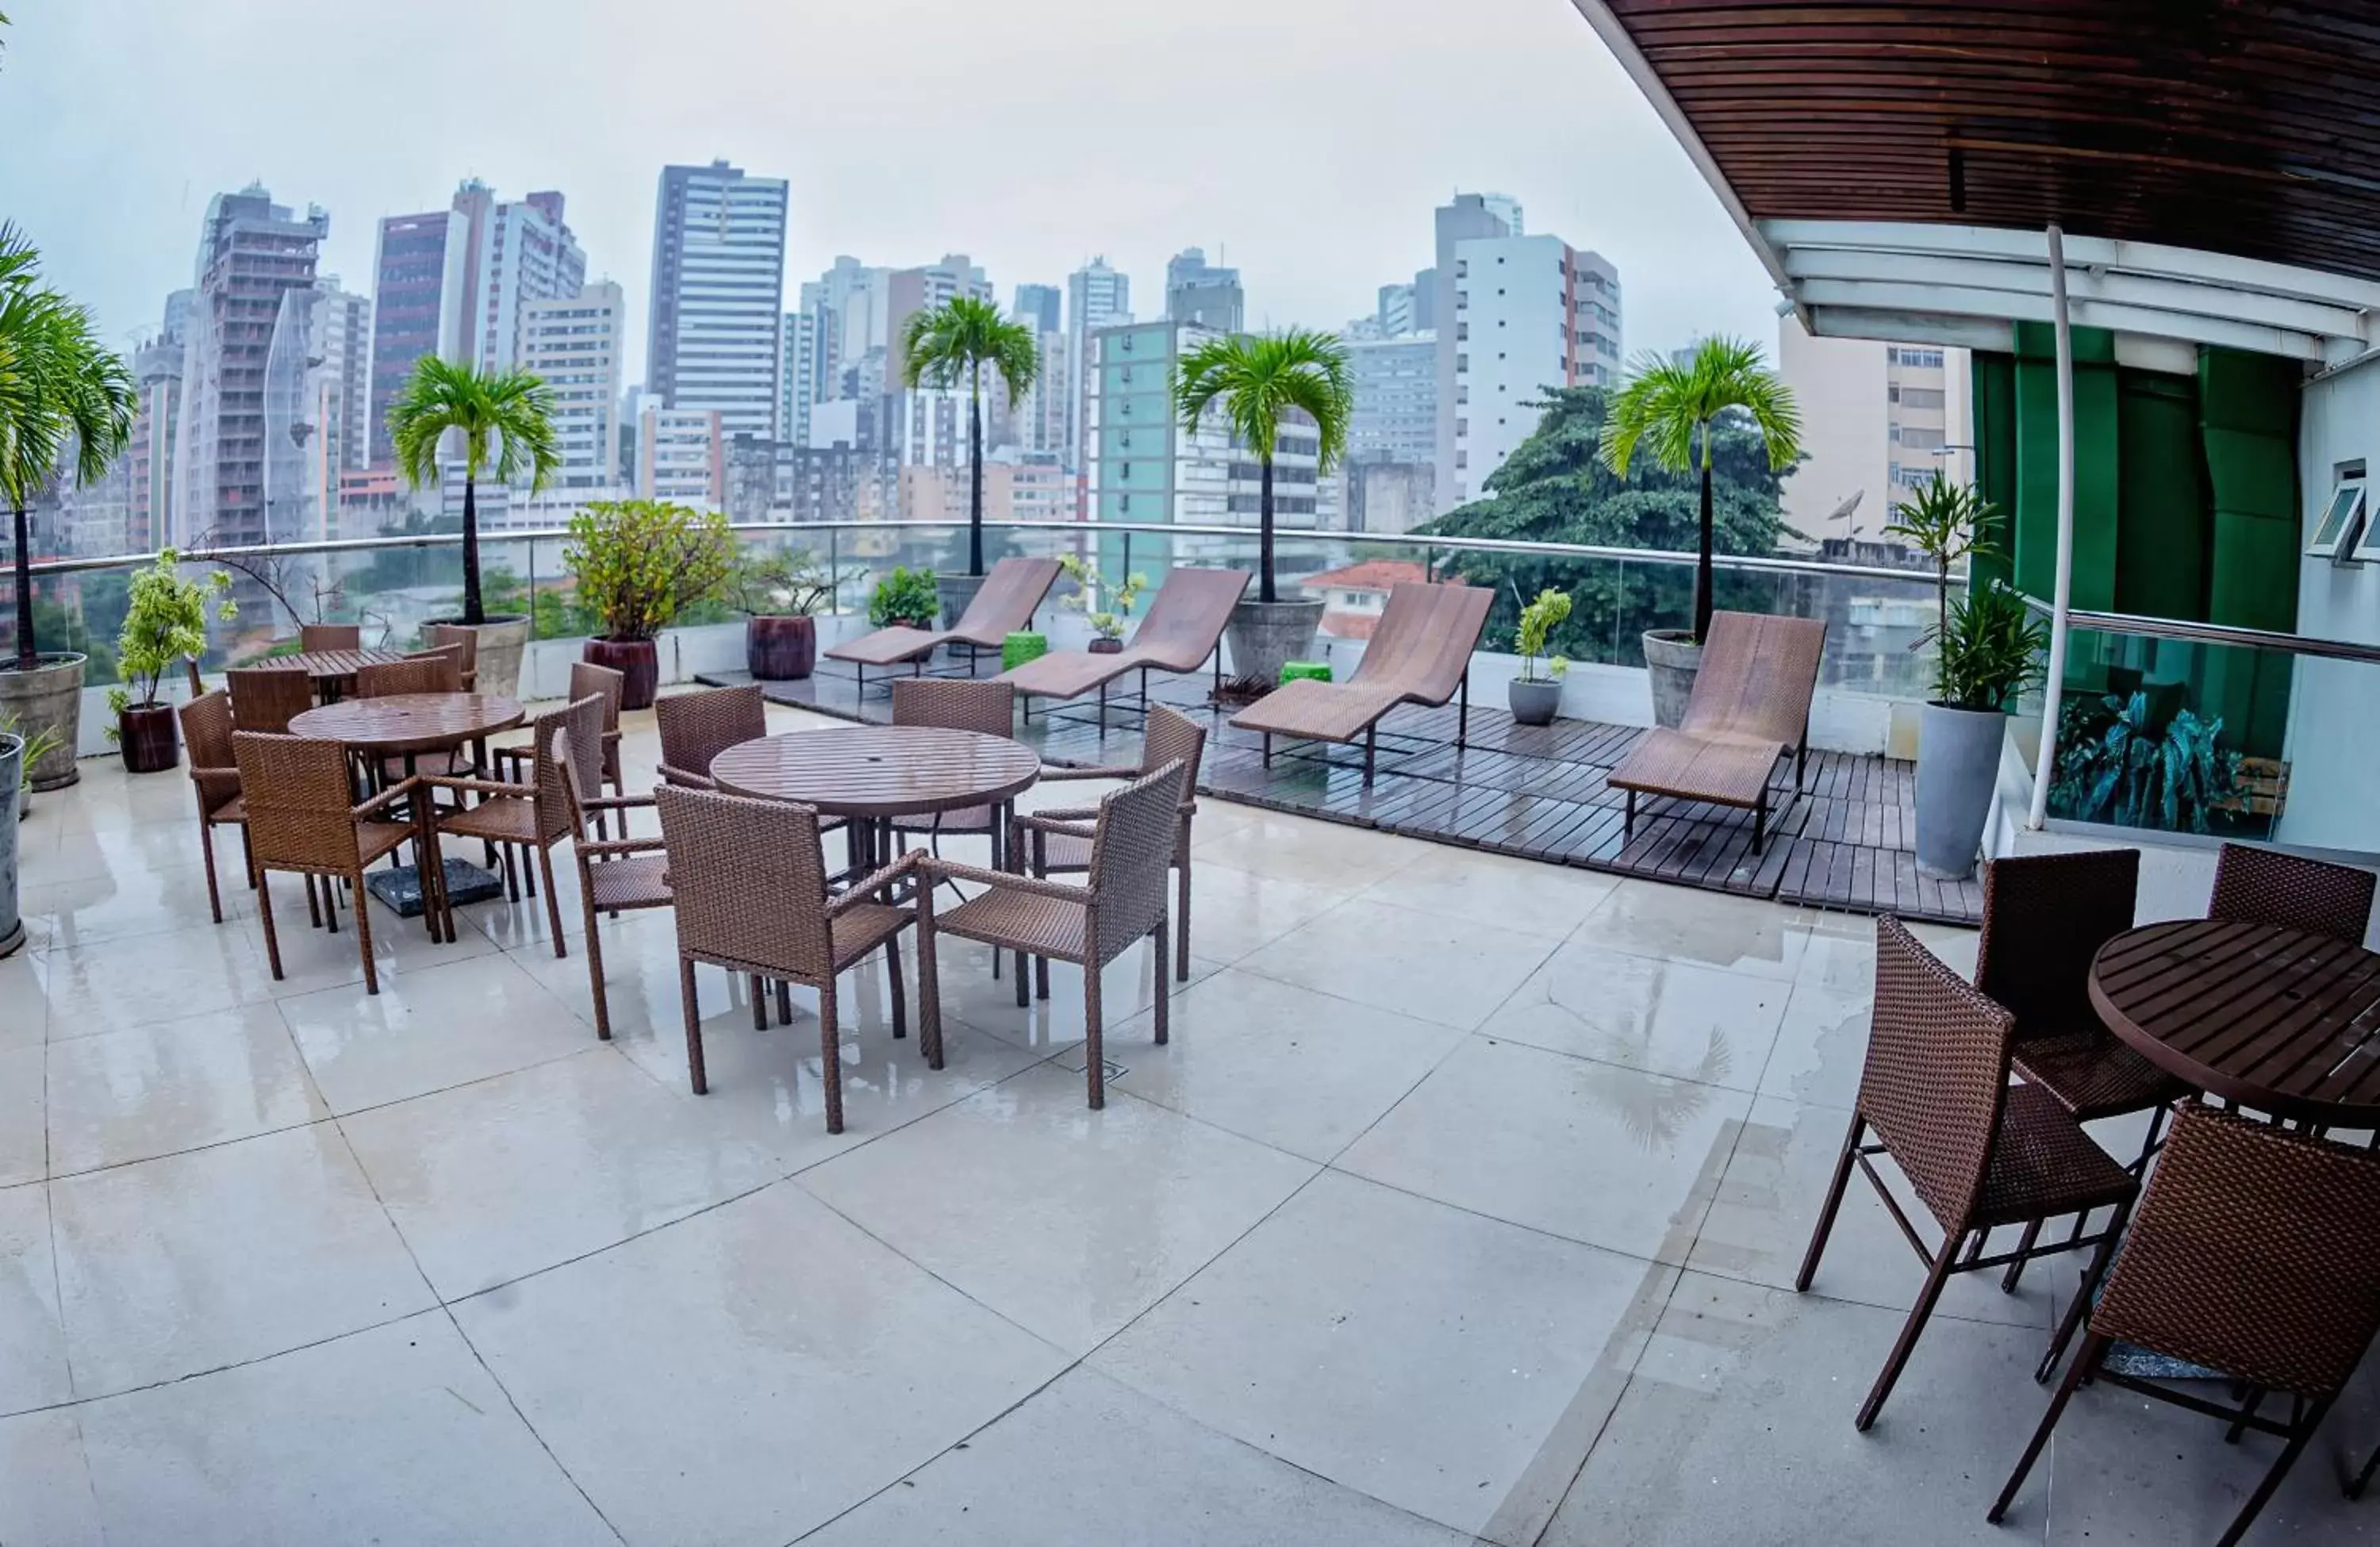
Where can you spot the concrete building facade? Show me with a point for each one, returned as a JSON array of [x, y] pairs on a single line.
[[1200, 292], [681, 455], [1877, 420], [575, 345], [718, 295], [1529, 313]]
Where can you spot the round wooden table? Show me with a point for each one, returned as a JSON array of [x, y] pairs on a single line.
[[2278, 1020], [330, 670], [875, 774]]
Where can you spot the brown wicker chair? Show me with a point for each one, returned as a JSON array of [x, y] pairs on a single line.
[[214, 779], [265, 699], [2264, 886], [1978, 1151], [432, 671], [2257, 1254], [586, 681], [957, 703], [1090, 926], [697, 727], [615, 876], [750, 885], [534, 814], [456, 636], [1060, 841], [313, 638], [301, 817]]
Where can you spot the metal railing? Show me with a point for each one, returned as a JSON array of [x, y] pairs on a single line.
[[2134, 626]]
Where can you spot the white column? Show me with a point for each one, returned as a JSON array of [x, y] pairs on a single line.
[[2054, 689]]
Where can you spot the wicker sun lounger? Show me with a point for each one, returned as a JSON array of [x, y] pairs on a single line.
[[1005, 603], [1419, 653], [1184, 626], [1751, 705]]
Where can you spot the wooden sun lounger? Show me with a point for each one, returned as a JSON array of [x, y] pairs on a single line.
[[1419, 653], [1184, 626], [1003, 604], [1751, 703]]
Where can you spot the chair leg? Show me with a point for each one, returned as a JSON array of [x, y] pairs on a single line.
[[2280, 1469], [552, 901], [687, 998], [1834, 1202], [1628, 821], [1040, 978], [1181, 927], [2023, 1245], [2093, 1349], [2364, 1479], [2256, 1396], [831, 1056], [930, 989], [247, 858], [595, 983], [1936, 1277], [207, 848], [264, 908], [1023, 991], [785, 1002], [313, 907], [363, 938], [2084, 1292], [329, 902], [893, 988], [760, 1004], [1164, 988], [1094, 1069]]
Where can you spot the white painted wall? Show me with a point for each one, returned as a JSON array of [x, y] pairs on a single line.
[[2333, 735]]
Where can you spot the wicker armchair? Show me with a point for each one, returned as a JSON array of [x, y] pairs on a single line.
[[265, 699], [443, 636], [317, 637], [429, 671], [586, 681], [2263, 887], [1978, 1151], [533, 815], [615, 876], [957, 703], [1091, 925], [2256, 1254], [214, 779], [1059, 842], [750, 885], [697, 727], [301, 817]]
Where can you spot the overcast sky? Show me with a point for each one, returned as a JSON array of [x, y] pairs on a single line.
[[1306, 139]]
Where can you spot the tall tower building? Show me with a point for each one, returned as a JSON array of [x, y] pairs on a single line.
[[313, 408], [157, 373], [1197, 291], [718, 295], [521, 253], [1471, 217], [1037, 306], [1097, 296], [1530, 313], [251, 252], [574, 344]]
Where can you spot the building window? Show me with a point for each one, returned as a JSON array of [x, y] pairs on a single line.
[[1123, 502]]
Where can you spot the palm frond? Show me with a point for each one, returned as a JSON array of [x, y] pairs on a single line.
[[945, 346], [1666, 403], [1259, 380], [56, 381], [503, 417]]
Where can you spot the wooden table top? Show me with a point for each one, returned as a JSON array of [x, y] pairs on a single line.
[[879, 771], [330, 664], [2278, 1019], [409, 722]]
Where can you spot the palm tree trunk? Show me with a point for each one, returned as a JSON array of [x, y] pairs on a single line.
[[474, 610], [1264, 536], [975, 471], [27, 656], [1703, 552]]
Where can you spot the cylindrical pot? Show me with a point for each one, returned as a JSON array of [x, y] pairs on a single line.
[[1102, 645], [1534, 702], [780, 649], [1267, 635], [12, 773], [145, 735], [1671, 659], [502, 640], [1958, 768], [638, 661], [47, 698], [957, 595]]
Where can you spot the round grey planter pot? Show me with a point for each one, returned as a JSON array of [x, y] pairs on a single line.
[[1671, 660], [1267, 635], [497, 657], [12, 926], [1958, 768], [48, 697], [1534, 704]]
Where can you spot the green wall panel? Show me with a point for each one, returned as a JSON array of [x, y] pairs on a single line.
[[2161, 550], [1993, 375], [2096, 453], [2248, 406]]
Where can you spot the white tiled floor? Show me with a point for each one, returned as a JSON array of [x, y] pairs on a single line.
[[1463, 1204]]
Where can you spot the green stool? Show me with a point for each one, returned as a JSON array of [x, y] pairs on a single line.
[[1294, 671], [1017, 649]]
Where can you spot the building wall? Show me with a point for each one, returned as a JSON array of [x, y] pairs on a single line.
[[718, 295], [1471, 216], [1528, 315], [681, 455], [1395, 384], [575, 346], [416, 307], [1873, 416], [2333, 735]]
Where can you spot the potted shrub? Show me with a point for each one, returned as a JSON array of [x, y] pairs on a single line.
[[58, 388], [905, 597], [638, 564], [1989, 651], [165, 627], [1107, 622], [505, 421], [1534, 698], [1257, 383], [779, 594], [1670, 406], [941, 347]]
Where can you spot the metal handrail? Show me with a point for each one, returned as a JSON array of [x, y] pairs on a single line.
[[2133, 625]]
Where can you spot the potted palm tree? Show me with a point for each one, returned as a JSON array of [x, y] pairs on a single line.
[[941, 348], [1989, 651], [165, 627], [1534, 699], [638, 564], [1257, 382], [60, 392], [779, 594], [505, 421], [1670, 406]]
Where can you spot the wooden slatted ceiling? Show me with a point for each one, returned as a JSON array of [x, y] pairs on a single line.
[[2230, 126]]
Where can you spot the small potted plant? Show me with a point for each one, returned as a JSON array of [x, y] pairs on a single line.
[[905, 597], [1534, 697], [1989, 651], [779, 594], [165, 627], [638, 564], [1107, 622]]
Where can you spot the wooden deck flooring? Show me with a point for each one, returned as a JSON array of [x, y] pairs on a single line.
[[1844, 840]]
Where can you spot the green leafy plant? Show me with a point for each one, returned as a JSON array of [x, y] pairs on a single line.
[[904, 596], [38, 744], [166, 626], [1557, 667], [1990, 649], [778, 584], [1257, 382], [505, 421], [1671, 409], [2115, 765], [952, 343], [1106, 622], [1538, 620], [1944, 521], [638, 564]]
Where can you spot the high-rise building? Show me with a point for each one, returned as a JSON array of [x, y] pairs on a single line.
[[1040, 307], [1395, 311], [1877, 420], [1395, 384], [251, 252], [574, 344], [718, 295], [311, 409], [157, 375], [521, 253], [1197, 291], [1097, 296], [681, 455], [1470, 217], [1530, 313]]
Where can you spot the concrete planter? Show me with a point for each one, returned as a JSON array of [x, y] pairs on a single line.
[[781, 649], [1267, 636], [12, 769], [48, 697], [502, 640], [1671, 660], [637, 660], [1534, 704], [1958, 767]]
